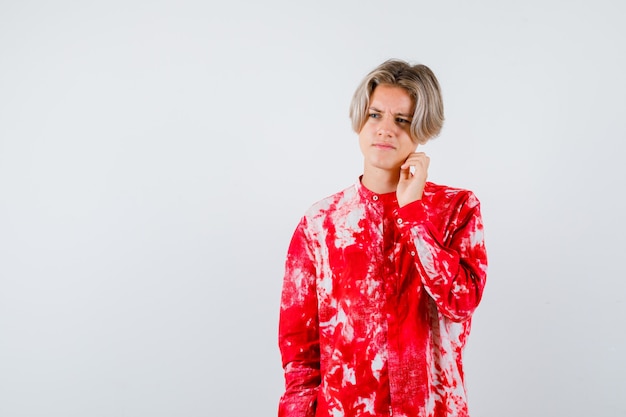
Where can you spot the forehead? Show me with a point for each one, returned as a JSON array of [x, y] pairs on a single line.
[[392, 98]]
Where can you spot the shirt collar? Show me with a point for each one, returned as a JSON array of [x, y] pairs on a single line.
[[368, 195]]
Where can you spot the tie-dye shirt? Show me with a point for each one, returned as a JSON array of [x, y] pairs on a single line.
[[377, 303]]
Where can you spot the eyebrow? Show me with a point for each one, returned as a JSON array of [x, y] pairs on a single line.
[[372, 108]]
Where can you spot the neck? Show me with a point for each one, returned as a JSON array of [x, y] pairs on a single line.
[[380, 181]]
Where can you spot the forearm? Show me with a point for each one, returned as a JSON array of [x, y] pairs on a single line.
[[302, 380], [298, 330], [452, 269], [299, 347], [455, 282]]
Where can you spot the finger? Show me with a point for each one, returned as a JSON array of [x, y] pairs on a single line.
[[415, 163], [405, 173], [416, 157], [420, 159]]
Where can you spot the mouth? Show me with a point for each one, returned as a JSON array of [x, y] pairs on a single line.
[[384, 146]]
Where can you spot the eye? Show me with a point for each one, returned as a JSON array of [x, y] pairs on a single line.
[[374, 116], [402, 120]]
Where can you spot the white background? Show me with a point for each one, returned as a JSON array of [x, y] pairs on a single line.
[[155, 157]]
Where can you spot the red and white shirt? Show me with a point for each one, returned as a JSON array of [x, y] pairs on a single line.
[[377, 303]]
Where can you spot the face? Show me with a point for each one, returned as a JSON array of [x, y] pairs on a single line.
[[385, 138]]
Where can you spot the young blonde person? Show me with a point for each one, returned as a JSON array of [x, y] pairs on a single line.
[[382, 278]]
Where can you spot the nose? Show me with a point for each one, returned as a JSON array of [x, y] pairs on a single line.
[[386, 127]]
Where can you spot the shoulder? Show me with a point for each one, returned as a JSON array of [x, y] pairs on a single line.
[[333, 202]]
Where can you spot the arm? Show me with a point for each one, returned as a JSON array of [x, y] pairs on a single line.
[[298, 330], [453, 268]]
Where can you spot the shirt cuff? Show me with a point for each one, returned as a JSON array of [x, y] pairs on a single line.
[[411, 214]]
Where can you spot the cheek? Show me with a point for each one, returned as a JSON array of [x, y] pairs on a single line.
[[365, 136], [362, 142], [409, 146]]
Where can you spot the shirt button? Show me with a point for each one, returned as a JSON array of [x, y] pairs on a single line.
[[412, 253], [399, 221], [375, 198]]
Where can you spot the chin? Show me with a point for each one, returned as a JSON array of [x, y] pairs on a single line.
[[387, 166]]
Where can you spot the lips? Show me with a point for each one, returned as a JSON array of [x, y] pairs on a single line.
[[383, 146]]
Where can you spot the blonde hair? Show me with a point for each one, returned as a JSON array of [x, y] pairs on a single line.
[[421, 84]]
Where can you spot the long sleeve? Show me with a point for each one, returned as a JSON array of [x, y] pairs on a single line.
[[299, 329], [451, 254]]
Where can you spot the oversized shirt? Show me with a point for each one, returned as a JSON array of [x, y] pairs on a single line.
[[377, 302]]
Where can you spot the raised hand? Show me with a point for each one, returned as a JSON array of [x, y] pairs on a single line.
[[413, 175]]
